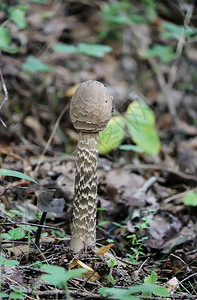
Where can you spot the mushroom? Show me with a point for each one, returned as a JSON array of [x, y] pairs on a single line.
[[90, 112]]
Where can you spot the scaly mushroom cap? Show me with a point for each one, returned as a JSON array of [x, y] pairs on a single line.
[[91, 107]]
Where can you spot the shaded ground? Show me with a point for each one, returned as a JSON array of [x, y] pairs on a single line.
[[140, 196]]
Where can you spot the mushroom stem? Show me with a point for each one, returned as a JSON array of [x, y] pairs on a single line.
[[39, 230], [83, 229]]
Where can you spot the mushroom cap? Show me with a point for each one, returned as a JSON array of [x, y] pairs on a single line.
[[91, 107]]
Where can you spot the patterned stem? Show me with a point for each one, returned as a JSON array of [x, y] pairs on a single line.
[[83, 228]]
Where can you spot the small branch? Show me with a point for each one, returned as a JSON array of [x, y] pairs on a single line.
[[5, 98]]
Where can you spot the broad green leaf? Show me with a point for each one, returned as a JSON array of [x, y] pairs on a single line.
[[190, 198], [58, 275], [18, 17], [83, 48], [11, 263], [112, 136], [93, 50], [176, 31], [16, 234], [35, 65], [5, 172], [151, 278], [161, 291], [4, 295], [140, 123], [5, 38], [75, 273], [6, 236], [165, 53], [116, 293], [65, 48]]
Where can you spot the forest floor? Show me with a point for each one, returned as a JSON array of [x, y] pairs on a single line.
[[147, 200]]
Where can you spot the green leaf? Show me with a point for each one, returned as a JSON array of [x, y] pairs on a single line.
[[4, 295], [5, 172], [58, 275], [161, 291], [5, 38], [16, 234], [176, 31], [190, 198], [6, 236], [133, 148], [112, 262], [18, 17], [93, 50], [151, 278], [35, 65], [83, 48], [11, 263], [116, 293], [65, 48], [112, 136], [165, 53], [140, 123]]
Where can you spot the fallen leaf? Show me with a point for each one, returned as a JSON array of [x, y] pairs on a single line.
[[104, 249]]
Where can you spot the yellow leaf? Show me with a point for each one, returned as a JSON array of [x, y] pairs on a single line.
[[90, 271], [70, 91], [104, 249]]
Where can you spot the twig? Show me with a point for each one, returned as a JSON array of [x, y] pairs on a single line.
[[5, 98], [30, 224]]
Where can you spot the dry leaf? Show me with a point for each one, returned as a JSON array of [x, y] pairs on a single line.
[[70, 92], [172, 284], [104, 249], [90, 271]]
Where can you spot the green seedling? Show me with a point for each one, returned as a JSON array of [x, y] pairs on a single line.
[[111, 263], [58, 276], [13, 234], [147, 289], [136, 240]]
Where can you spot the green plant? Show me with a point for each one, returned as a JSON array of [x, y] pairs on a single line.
[[147, 289], [119, 14], [13, 234], [59, 276], [136, 239], [36, 65], [5, 172], [17, 15], [190, 199], [17, 293], [83, 48], [140, 123], [111, 263]]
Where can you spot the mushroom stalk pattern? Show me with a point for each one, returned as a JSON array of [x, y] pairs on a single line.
[[90, 112]]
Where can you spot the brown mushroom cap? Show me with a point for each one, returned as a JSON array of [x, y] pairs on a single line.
[[91, 107]]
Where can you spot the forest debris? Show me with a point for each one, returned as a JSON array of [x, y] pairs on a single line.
[[172, 285], [89, 272], [104, 249]]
